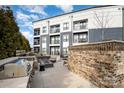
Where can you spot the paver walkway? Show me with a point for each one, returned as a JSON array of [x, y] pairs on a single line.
[[59, 77]]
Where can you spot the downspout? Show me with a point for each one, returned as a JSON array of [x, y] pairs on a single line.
[[72, 28], [48, 50], [123, 24]]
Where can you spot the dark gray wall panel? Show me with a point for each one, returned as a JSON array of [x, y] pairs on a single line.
[[95, 35], [47, 41], [70, 40]]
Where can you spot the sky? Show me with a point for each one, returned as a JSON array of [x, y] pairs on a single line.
[[26, 14]]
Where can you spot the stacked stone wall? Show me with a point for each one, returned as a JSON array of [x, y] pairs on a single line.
[[101, 63]]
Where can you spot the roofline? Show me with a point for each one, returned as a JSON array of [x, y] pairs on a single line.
[[98, 6]]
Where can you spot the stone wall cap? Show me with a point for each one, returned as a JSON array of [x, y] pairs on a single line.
[[113, 45], [112, 41]]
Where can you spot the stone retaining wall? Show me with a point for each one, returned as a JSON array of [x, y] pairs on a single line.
[[101, 63]]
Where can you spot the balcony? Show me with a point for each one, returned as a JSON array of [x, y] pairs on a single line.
[[80, 24], [36, 31], [36, 41], [79, 27], [80, 37], [55, 29], [36, 49], [54, 50]]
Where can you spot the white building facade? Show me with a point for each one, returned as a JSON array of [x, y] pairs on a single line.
[[54, 35]]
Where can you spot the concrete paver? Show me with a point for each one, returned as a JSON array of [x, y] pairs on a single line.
[[59, 77]]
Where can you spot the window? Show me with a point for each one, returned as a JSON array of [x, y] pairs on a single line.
[[55, 39], [36, 49], [65, 38], [80, 38], [44, 29], [57, 50], [52, 40], [36, 31], [66, 26], [54, 50], [36, 41], [43, 39], [65, 51]]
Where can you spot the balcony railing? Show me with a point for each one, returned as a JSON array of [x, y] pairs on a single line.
[[55, 52], [36, 49], [83, 40], [36, 33], [55, 42], [79, 27], [54, 30]]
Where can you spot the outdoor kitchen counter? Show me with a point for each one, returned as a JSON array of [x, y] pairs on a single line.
[[20, 82]]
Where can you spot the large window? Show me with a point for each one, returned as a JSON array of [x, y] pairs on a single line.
[[65, 38], [81, 24], [44, 29], [36, 31], [55, 39], [55, 29], [54, 50], [43, 39], [36, 40], [80, 38], [65, 26]]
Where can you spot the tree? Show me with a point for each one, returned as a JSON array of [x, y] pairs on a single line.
[[10, 37], [102, 20]]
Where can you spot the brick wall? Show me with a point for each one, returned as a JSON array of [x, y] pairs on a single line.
[[101, 63]]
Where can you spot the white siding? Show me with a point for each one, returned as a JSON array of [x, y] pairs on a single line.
[[112, 18]]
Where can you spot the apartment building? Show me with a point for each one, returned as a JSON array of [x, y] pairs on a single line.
[[55, 34]]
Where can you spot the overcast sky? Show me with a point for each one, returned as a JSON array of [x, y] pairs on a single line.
[[25, 15]]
